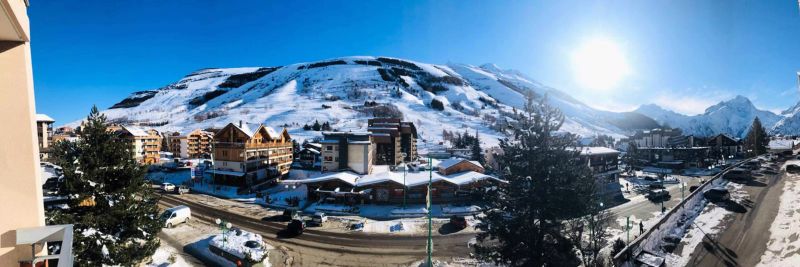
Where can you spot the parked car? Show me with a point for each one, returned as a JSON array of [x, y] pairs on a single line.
[[176, 215], [656, 185], [318, 218], [296, 226], [753, 165], [458, 221], [717, 194], [657, 194], [167, 187], [738, 174], [289, 214], [792, 168], [182, 190]]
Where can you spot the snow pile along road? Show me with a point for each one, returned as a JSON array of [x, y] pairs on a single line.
[[783, 248]]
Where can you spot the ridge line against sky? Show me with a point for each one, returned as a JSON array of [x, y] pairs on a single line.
[[683, 55]]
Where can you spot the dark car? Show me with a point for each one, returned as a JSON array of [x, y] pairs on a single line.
[[296, 227], [658, 185], [658, 194], [792, 168], [288, 214], [738, 174], [717, 194], [692, 188], [458, 222]]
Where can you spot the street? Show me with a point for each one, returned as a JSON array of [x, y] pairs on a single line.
[[315, 247], [744, 237]]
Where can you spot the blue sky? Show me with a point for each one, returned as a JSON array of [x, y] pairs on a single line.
[[684, 55]]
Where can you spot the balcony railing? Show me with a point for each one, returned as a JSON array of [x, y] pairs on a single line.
[[250, 145]]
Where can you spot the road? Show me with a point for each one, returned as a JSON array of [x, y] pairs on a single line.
[[316, 247], [744, 238], [640, 209]]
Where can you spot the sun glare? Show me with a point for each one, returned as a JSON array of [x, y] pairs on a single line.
[[599, 64]]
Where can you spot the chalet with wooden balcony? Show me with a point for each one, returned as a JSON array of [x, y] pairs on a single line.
[[248, 155]]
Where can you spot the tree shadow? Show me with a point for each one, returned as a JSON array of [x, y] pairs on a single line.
[[732, 206], [728, 256], [755, 183], [286, 234], [275, 218], [449, 228]]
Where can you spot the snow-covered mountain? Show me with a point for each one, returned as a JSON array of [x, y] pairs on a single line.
[[733, 117], [346, 91], [790, 123]]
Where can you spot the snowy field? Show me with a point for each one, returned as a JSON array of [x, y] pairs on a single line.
[[783, 248]]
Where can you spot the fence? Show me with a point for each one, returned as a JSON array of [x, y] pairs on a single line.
[[674, 219]]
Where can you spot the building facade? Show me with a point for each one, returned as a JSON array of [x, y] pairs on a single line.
[[146, 143], [248, 155], [347, 151], [198, 144], [44, 132], [22, 228], [393, 138]]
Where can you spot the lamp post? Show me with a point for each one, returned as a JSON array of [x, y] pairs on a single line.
[[224, 227]]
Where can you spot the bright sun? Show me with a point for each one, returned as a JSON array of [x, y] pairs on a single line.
[[599, 64]]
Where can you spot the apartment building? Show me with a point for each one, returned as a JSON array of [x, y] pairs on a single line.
[[604, 163], [23, 233], [393, 138], [250, 154], [353, 151], [44, 132], [176, 144], [198, 144], [146, 143]]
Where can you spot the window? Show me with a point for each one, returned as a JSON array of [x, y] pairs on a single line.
[[328, 158], [329, 148]]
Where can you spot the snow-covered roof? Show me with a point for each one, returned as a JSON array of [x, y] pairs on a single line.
[[347, 177], [381, 173], [444, 164], [781, 144], [272, 133], [44, 118], [134, 130], [312, 150], [597, 150]]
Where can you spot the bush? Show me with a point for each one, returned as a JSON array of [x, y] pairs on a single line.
[[437, 105]]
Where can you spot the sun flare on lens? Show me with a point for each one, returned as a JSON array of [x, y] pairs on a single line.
[[599, 64]]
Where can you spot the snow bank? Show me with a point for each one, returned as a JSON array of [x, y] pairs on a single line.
[[783, 247]]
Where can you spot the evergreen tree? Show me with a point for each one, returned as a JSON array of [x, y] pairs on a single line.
[[316, 126], [757, 139], [477, 152], [113, 210], [526, 222]]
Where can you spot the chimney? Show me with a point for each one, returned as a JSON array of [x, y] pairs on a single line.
[[240, 123]]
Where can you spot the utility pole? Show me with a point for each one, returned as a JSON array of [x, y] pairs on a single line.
[[430, 221], [405, 187], [628, 228]]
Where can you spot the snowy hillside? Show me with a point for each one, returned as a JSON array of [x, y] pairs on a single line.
[[732, 117], [346, 91]]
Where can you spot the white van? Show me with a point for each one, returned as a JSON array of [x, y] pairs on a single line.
[[176, 215]]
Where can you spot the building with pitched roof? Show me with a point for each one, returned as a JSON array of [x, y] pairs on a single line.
[[247, 155], [146, 143]]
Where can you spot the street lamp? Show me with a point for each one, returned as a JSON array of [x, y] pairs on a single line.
[[224, 227]]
